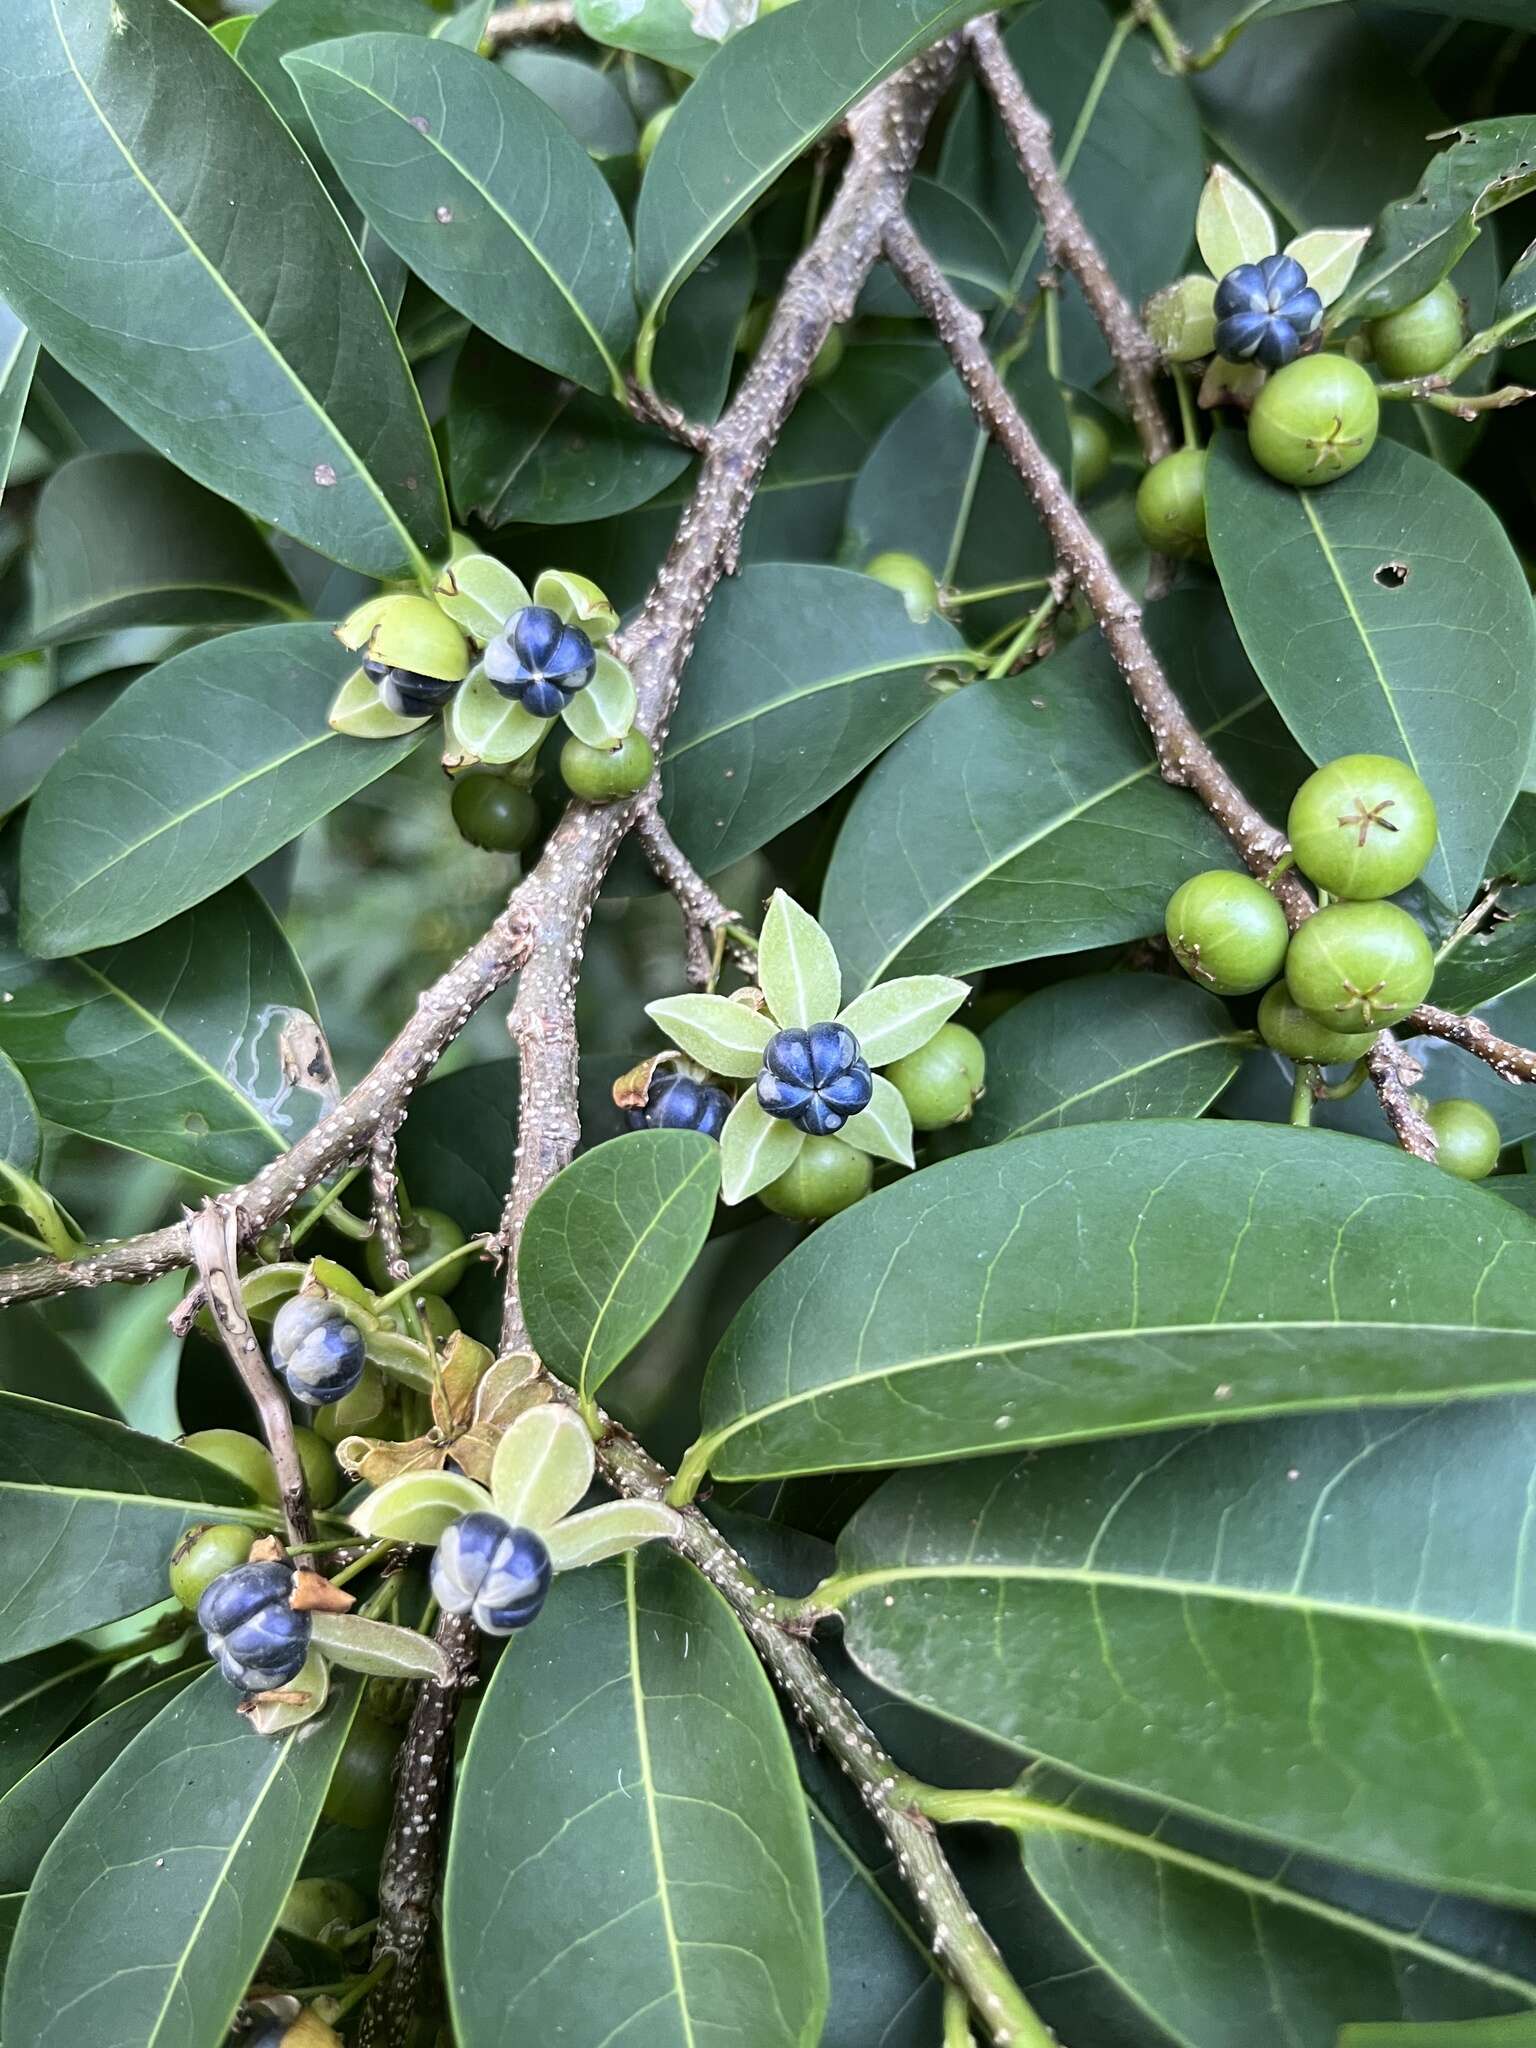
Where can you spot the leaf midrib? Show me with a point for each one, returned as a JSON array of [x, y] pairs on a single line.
[[637, 1245], [1238, 1040], [653, 1823], [846, 679]]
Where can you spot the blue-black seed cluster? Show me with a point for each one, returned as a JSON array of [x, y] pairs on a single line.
[[1265, 311], [404, 692], [254, 1635], [498, 1575], [539, 661], [676, 1102], [317, 1349], [815, 1079]]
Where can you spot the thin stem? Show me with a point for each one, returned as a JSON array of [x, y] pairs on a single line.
[[1188, 421], [957, 2019], [371, 1556], [1151, 16], [417, 1282], [322, 1205], [1304, 1093], [363, 1985], [1026, 636], [1353, 1081], [956, 600]]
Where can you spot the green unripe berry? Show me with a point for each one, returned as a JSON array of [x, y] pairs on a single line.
[[1359, 966], [601, 775], [492, 812], [1227, 932], [1170, 504], [409, 633], [940, 1082], [425, 1237], [1299, 1035], [1362, 826], [1467, 1138], [322, 1474], [362, 1789], [1417, 339], [1091, 453], [913, 578], [243, 1457], [202, 1554], [828, 1176], [651, 134], [322, 1909], [1314, 420]]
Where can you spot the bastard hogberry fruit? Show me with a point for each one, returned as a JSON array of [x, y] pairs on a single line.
[[485, 1568], [825, 1179], [426, 1236], [815, 1079], [1227, 932], [539, 661], [677, 1102], [410, 650], [1314, 421], [1170, 504], [1417, 339], [1467, 1137], [492, 813], [254, 1635], [601, 775], [1362, 826], [1359, 966], [940, 1082], [205, 1552], [1298, 1034], [1265, 311], [317, 1349]]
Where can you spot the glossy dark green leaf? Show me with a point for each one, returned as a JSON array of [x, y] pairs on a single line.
[[92, 1513], [35, 1360], [150, 1911], [482, 191], [21, 1135], [1120, 1277], [195, 1044], [115, 247], [801, 675], [1207, 1939], [18, 359], [1356, 601], [527, 445], [35, 742], [39, 1697], [124, 540], [1516, 2032], [37, 1806], [1111, 103], [288, 25], [654, 1859], [199, 770], [1243, 1622], [1496, 957], [662, 29], [585, 98], [1103, 1048], [762, 99], [608, 1244], [1038, 813]]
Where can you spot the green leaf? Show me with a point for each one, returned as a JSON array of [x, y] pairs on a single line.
[[92, 1514], [755, 1148], [609, 1530], [899, 1016], [758, 103], [1330, 257], [37, 1806], [124, 540], [542, 1467], [605, 710], [207, 1819], [21, 1136], [1147, 1289], [467, 27], [229, 756], [1232, 223], [231, 32], [288, 25], [608, 1244], [791, 657], [418, 1506], [486, 726], [585, 99], [1043, 824], [1240, 1621], [124, 266], [796, 966], [35, 742], [18, 359], [39, 1697], [1103, 1048], [662, 1832], [35, 1360], [186, 1045], [1355, 602], [662, 29], [728, 1038], [1516, 2032], [885, 1128], [378, 1649], [1517, 297], [490, 200]]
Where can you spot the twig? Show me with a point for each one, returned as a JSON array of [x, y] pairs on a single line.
[[708, 923], [1512, 1063], [408, 1880], [386, 1209], [215, 1248], [1395, 1074], [1068, 240], [532, 19], [652, 410]]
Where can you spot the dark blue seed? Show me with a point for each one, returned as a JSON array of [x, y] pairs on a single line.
[[1304, 311], [574, 661], [1277, 346], [412, 696], [544, 699], [820, 1118], [254, 1635], [1283, 277], [780, 1097], [833, 1050], [788, 1057], [1242, 290], [535, 634], [497, 1574], [850, 1092], [1241, 335], [318, 1350]]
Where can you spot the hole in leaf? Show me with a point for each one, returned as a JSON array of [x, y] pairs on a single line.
[[1392, 575]]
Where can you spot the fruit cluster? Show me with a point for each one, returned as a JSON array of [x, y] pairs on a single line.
[[495, 1573], [1362, 828]]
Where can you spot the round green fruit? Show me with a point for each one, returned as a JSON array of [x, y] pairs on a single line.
[[1090, 454], [492, 812], [652, 133], [827, 1177], [1299, 1035], [362, 1784], [940, 1082], [322, 1909], [1227, 932], [244, 1457], [1359, 966], [202, 1554], [1467, 1138], [1417, 339], [425, 1238], [913, 578], [1170, 504], [322, 1474], [601, 775], [409, 633], [1314, 420], [1363, 826]]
